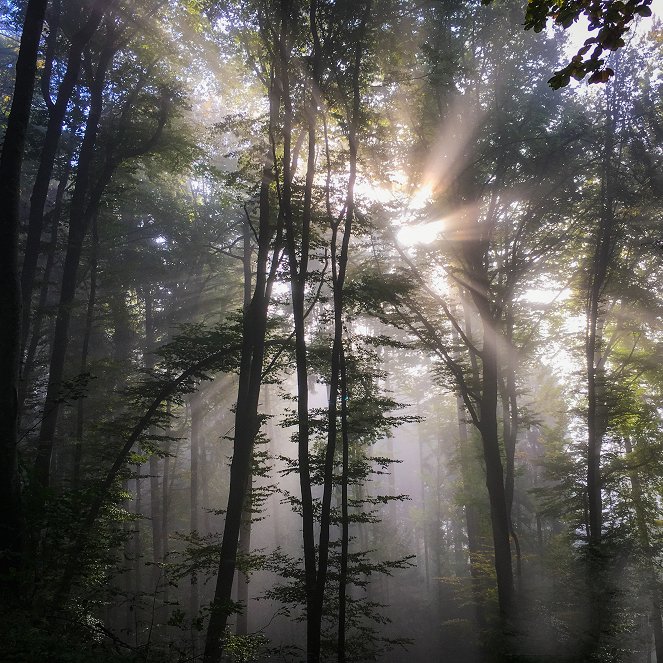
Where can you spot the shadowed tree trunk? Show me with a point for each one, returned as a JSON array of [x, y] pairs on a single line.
[[649, 552], [472, 524], [56, 116], [78, 222], [40, 311], [488, 429], [11, 529], [244, 549], [195, 404], [597, 411], [247, 422], [89, 317]]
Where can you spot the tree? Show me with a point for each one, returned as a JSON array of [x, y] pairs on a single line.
[[11, 528], [612, 19]]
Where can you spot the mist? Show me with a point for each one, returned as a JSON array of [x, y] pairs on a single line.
[[330, 331]]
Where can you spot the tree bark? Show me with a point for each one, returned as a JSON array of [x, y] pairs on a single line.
[[89, 318], [345, 522], [247, 423], [650, 574], [471, 516], [56, 116], [488, 429], [11, 527], [78, 222], [40, 311], [596, 408], [242, 627], [195, 405]]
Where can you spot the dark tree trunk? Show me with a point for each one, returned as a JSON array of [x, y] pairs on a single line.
[[247, 423], [339, 260], [510, 423], [597, 413], [605, 243], [155, 494], [345, 521], [40, 311], [11, 529], [650, 573], [165, 503], [195, 404], [89, 317], [298, 275], [471, 515], [245, 549], [57, 112], [78, 222], [488, 429]]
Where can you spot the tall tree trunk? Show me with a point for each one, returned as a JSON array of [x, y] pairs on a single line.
[[165, 504], [247, 423], [422, 487], [11, 528], [597, 414], [89, 317], [650, 573], [471, 515], [40, 311], [488, 429], [339, 261], [78, 222], [56, 116], [245, 549], [242, 626], [510, 423], [605, 243], [345, 520], [155, 495], [195, 405], [298, 266]]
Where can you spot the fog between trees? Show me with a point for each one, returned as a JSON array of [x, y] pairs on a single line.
[[330, 331]]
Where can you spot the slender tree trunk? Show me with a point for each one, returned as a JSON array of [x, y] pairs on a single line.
[[345, 521], [78, 221], [298, 276], [56, 116], [247, 422], [156, 501], [499, 516], [242, 627], [339, 261], [605, 242], [195, 404], [650, 574], [597, 414], [471, 515], [89, 317], [11, 527], [422, 487], [40, 312], [165, 504], [510, 423]]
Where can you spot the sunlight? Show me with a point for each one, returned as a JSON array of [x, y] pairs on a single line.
[[423, 233], [422, 196], [448, 154], [546, 295], [373, 193]]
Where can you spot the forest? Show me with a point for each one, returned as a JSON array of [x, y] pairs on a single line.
[[331, 330]]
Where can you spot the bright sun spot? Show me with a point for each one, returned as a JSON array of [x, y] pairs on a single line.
[[423, 233], [546, 295], [421, 197]]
